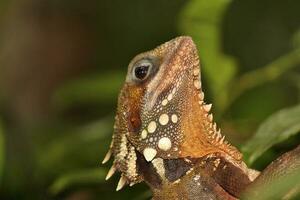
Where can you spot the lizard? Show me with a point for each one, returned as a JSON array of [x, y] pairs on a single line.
[[165, 134]]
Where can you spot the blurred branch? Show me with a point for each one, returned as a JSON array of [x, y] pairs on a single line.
[[265, 74]]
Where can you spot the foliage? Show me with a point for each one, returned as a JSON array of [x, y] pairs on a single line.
[[277, 128]]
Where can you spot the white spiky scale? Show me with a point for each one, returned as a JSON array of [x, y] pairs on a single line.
[[170, 96], [218, 134], [222, 139], [107, 157], [132, 184], [152, 127], [207, 107], [164, 102], [201, 96], [149, 153], [131, 164], [110, 173], [215, 126], [163, 119], [144, 134], [214, 135], [158, 164], [122, 182], [174, 118], [196, 71], [123, 148], [164, 144], [197, 84], [210, 118], [174, 91]]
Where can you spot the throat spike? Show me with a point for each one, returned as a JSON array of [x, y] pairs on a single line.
[[215, 126], [110, 173], [122, 182], [149, 154], [132, 184], [201, 96], [107, 157], [210, 117], [222, 140], [207, 107]]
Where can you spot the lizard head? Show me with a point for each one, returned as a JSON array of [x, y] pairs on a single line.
[[161, 110]]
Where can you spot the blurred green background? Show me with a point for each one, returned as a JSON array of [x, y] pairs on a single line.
[[62, 63]]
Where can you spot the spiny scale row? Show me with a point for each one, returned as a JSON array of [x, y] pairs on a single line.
[[215, 134], [122, 182]]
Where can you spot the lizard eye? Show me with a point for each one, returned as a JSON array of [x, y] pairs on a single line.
[[142, 69]]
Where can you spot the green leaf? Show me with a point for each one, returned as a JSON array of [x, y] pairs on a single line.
[[277, 128], [87, 176], [202, 20]]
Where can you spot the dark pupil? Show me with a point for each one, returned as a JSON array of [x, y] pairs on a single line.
[[141, 71]]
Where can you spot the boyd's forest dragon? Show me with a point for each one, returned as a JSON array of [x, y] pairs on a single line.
[[165, 135]]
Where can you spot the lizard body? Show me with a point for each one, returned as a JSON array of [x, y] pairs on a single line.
[[165, 135]]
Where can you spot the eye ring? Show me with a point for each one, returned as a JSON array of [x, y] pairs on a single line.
[[141, 70]]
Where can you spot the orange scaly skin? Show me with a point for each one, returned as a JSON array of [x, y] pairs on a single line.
[[165, 135]]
